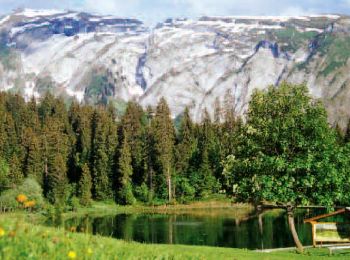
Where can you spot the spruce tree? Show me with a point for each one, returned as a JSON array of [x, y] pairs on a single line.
[[85, 186], [101, 160], [132, 124], [56, 181], [15, 174], [125, 171], [186, 144], [149, 153], [164, 135], [33, 164]]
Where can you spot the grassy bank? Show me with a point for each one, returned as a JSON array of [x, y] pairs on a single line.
[[200, 208], [19, 239]]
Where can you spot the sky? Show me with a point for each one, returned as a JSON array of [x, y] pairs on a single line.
[[152, 11]]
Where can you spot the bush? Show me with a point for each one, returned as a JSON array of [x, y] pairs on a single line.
[[30, 188], [74, 203], [186, 192], [126, 197], [142, 193], [4, 172]]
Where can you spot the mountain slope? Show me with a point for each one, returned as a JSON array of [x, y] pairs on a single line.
[[193, 63]]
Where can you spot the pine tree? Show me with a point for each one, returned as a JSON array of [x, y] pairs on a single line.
[[56, 148], [186, 144], [207, 184], [101, 160], [209, 149], [33, 163], [132, 124], [164, 135], [15, 174], [85, 186], [56, 181], [149, 153], [4, 175], [125, 195], [80, 120]]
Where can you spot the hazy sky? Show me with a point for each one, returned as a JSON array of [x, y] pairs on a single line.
[[158, 10]]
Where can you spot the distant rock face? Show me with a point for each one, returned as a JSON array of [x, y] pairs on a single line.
[[194, 63]]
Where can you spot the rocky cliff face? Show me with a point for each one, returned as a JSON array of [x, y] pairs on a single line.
[[193, 63]]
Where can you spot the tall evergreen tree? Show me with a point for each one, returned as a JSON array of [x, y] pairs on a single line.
[[85, 186], [164, 139], [186, 144], [33, 162], [125, 171], [16, 173], [100, 161], [132, 124]]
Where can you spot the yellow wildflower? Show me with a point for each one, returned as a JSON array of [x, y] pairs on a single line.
[[29, 204], [21, 198], [89, 251], [2, 232], [72, 255]]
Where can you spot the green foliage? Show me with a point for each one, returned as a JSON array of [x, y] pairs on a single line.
[[39, 242], [288, 153], [74, 203], [16, 174], [164, 139], [125, 195], [337, 51], [30, 188], [142, 193], [4, 175], [125, 172], [85, 186], [186, 189], [102, 153], [279, 154], [99, 89], [293, 38]]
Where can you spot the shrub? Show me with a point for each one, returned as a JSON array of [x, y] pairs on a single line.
[[142, 193], [30, 189], [126, 197], [74, 203]]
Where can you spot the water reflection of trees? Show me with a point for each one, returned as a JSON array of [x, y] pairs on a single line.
[[270, 230]]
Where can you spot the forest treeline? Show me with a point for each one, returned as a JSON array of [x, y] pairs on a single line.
[[284, 151], [86, 153]]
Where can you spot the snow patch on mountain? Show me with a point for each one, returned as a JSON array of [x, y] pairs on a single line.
[[35, 13], [192, 63]]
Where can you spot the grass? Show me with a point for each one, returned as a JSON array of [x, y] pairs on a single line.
[[293, 38], [23, 240], [337, 51], [206, 207]]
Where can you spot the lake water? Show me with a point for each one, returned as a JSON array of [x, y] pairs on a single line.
[[233, 229]]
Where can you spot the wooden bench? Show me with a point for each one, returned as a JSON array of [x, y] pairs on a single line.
[[340, 247]]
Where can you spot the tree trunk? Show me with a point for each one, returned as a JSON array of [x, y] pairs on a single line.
[[293, 231], [169, 184]]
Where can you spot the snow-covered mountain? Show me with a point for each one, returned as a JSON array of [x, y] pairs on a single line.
[[193, 63]]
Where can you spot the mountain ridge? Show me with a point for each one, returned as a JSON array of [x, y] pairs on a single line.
[[194, 63]]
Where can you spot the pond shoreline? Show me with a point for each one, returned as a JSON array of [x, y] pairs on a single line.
[[102, 208], [21, 238]]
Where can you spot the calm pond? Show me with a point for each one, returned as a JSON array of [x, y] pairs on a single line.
[[210, 228]]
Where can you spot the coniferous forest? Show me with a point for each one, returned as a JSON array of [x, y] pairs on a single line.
[[281, 150]]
